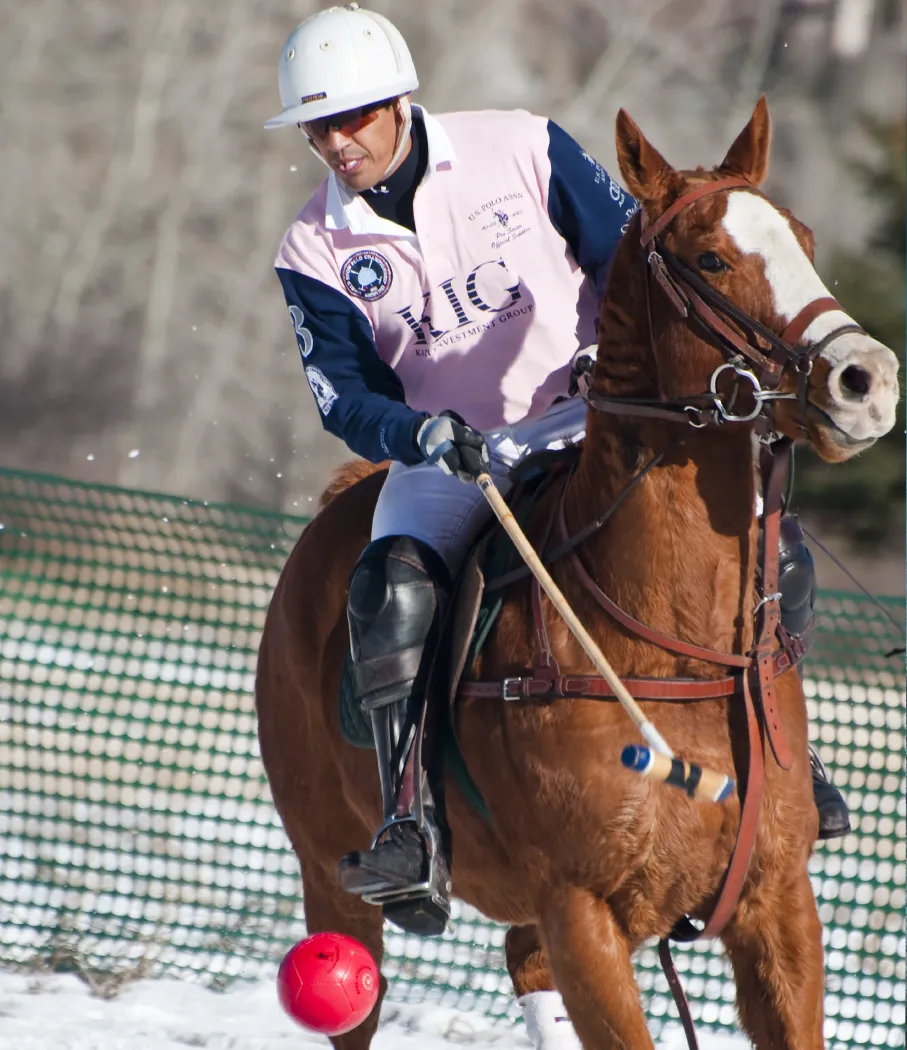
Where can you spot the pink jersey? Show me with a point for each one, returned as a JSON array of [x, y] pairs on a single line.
[[482, 309]]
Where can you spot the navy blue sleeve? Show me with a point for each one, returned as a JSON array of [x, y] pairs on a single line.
[[360, 398], [586, 206]]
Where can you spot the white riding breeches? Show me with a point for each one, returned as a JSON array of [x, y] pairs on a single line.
[[446, 513]]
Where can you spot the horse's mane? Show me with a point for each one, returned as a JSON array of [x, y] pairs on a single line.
[[347, 475]]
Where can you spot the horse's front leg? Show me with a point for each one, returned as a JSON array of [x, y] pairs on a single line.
[[775, 946], [590, 961], [547, 1023]]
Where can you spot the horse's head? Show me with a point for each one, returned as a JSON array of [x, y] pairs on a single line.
[[743, 269]]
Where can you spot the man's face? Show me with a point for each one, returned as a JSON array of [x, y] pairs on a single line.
[[359, 144]]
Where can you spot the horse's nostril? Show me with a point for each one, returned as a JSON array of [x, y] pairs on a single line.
[[856, 380]]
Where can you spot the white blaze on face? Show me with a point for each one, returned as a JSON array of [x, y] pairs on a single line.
[[757, 228], [863, 405]]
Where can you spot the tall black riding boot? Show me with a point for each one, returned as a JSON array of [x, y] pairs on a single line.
[[834, 817], [395, 604], [797, 584]]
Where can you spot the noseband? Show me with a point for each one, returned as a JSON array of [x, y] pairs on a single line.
[[747, 360]]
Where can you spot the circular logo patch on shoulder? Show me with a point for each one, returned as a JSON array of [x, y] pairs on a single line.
[[367, 275]]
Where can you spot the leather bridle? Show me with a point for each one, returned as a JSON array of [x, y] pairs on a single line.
[[749, 359]]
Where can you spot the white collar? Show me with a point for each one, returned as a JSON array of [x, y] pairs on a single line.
[[440, 148], [347, 210]]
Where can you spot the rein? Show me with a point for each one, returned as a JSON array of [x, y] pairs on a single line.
[[753, 674], [548, 557]]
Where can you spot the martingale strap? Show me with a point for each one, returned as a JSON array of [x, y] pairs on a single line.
[[634, 626], [774, 467], [774, 470]]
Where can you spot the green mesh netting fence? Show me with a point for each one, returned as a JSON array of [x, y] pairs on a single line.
[[137, 837]]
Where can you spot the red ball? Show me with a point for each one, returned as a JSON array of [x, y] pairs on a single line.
[[328, 983]]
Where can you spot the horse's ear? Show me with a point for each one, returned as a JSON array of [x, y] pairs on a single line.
[[748, 156], [645, 172]]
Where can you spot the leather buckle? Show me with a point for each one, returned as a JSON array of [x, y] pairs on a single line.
[[767, 599], [505, 689]]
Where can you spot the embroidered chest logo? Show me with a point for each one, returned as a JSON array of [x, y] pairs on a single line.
[[367, 275], [502, 224]]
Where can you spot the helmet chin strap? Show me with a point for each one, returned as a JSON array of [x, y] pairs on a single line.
[[406, 111], [313, 147]]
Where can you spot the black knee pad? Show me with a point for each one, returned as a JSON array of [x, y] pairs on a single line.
[[395, 598], [796, 578]]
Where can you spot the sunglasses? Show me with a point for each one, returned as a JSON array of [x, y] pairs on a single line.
[[347, 123]]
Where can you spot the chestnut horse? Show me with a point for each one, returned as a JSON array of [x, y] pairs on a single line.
[[582, 858]]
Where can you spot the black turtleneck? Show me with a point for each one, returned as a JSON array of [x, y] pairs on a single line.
[[393, 198]]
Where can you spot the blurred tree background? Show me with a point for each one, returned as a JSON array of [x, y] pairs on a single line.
[[866, 495], [144, 340]]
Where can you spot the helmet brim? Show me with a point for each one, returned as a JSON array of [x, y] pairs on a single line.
[[306, 111]]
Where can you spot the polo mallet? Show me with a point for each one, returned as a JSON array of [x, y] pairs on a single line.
[[657, 760]]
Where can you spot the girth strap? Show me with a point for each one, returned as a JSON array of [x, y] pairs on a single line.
[[578, 686], [588, 686]]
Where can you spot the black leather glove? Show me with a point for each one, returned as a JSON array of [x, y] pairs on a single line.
[[453, 446], [583, 364]]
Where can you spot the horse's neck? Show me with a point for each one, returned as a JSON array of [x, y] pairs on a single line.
[[679, 552]]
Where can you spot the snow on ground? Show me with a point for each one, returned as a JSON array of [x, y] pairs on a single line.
[[58, 1012]]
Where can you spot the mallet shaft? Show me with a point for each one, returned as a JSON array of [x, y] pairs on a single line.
[[717, 782], [527, 552]]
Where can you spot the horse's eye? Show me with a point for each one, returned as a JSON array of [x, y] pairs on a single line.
[[711, 263]]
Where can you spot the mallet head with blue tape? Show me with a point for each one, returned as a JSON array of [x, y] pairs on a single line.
[[700, 784]]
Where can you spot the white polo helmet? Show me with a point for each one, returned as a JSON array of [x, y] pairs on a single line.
[[339, 59]]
